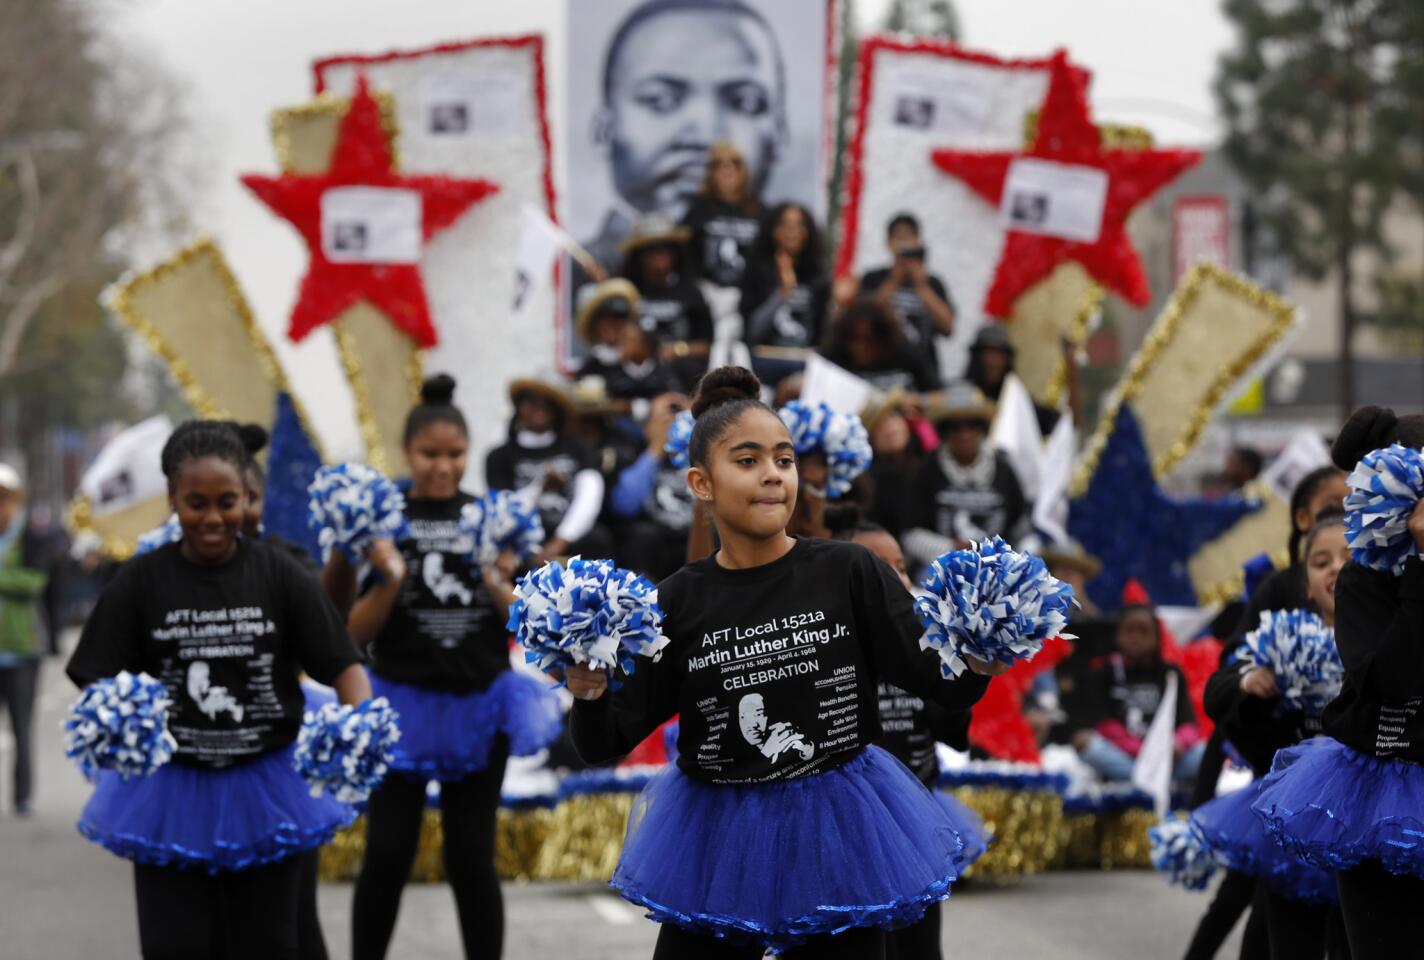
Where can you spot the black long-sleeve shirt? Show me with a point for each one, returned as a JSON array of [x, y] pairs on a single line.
[[1379, 628], [1255, 726], [774, 669]]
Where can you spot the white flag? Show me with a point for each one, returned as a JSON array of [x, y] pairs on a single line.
[[1050, 508], [1015, 433], [1152, 771], [540, 241], [825, 382], [1302, 454], [128, 470]]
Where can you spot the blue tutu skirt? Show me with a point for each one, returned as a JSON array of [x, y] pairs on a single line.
[[448, 736], [1241, 841], [863, 845], [974, 837], [242, 816], [1335, 808]]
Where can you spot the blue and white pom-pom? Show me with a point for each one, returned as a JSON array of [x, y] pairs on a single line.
[[590, 613], [347, 750], [353, 505], [160, 536], [121, 724], [678, 437], [1384, 489], [991, 603], [840, 436], [500, 521], [1300, 650], [1179, 850]]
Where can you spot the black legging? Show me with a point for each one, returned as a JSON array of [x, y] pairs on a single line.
[[859, 943], [919, 941], [310, 942], [235, 915], [1232, 898], [1380, 911], [467, 817]]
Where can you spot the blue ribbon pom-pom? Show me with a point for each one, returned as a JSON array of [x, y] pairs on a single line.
[[589, 613], [500, 521], [1179, 850], [991, 603], [169, 532], [1300, 650], [347, 749], [353, 505], [840, 436], [679, 436], [1384, 489], [121, 724]]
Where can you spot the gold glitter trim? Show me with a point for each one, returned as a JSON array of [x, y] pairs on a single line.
[[120, 299], [1283, 317], [365, 415], [332, 107], [1114, 136], [1077, 335]]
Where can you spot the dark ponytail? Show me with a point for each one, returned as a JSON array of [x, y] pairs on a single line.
[[722, 397], [845, 520], [1301, 496], [437, 405]]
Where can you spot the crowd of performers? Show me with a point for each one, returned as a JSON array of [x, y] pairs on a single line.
[[805, 675]]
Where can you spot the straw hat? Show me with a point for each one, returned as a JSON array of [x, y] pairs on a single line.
[[654, 230], [960, 400], [896, 401], [590, 398], [617, 297], [1073, 556], [550, 389]]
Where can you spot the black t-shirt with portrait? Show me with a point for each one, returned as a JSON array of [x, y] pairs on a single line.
[[443, 632], [971, 510], [797, 319], [775, 670], [909, 307], [669, 502], [226, 640], [513, 466], [676, 311], [1131, 693], [722, 237]]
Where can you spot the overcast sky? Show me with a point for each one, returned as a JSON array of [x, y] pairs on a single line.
[[1152, 63]]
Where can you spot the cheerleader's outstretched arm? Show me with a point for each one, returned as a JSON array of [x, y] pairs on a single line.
[[610, 725], [1379, 623]]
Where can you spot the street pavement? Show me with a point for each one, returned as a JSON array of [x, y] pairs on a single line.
[[62, 897]]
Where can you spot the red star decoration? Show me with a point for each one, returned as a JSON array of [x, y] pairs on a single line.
[[997, 725], [362, 158], [1066, 135]]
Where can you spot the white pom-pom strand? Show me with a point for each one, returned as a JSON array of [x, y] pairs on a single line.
[[678, 438], [1384, 489], [347, 750], [590, 612], [352, 505], [501, 521], [120, 724], [169, 532], [991, 603], [1300, 650], [1179, 850]]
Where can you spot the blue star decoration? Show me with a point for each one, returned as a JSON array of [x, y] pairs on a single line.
[[1139, 532], [292, 461]]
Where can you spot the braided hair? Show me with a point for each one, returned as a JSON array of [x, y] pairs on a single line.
[[198, 439]]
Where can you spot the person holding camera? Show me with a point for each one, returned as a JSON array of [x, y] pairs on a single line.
[[918, 297]]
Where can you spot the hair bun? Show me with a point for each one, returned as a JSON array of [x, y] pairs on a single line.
[[254, 437], [438, 391], [725, 385], [1369, 428], [841, 518]]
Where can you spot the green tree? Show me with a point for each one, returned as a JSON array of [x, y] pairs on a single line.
[[924, 18], [1315, 105]]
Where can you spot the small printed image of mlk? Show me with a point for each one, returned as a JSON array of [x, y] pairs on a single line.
[[678, 76], [772, 739]]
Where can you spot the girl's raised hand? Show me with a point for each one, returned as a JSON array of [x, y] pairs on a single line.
[[1259, 682], [387, 560], [1416, 524], [586, 683], [987, 668]]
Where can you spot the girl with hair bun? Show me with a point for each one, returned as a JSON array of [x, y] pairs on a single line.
[[431, 620], [227, 623], [1353, 800], [782, 824]]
